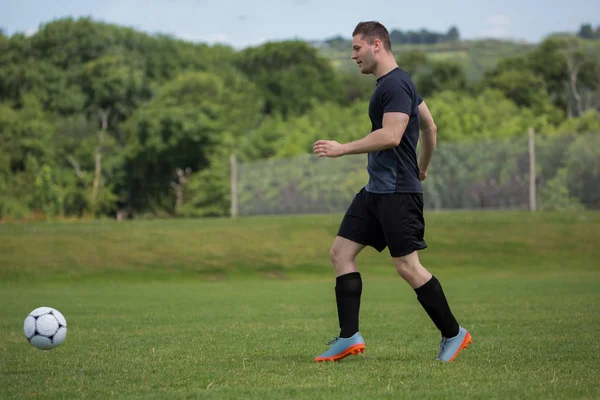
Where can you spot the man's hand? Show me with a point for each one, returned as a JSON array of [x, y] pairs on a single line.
[[328, 148], [422, 175]]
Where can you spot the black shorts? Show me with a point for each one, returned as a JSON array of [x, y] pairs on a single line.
[[394, 220]]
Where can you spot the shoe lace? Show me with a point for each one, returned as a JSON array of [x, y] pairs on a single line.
[[443, 344], [332, 341]]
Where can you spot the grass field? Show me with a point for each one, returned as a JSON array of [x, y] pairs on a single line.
[[238, 309]]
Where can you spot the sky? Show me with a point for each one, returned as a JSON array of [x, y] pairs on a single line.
[[242, 23]]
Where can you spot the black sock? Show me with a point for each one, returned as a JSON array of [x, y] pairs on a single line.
[[348, 289], [432, 298]]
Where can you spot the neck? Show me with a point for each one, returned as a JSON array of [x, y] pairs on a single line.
[[385, 66]]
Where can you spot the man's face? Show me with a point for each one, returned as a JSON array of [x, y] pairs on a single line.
[[364, 54]]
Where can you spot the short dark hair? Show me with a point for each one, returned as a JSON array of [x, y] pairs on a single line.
[[371, 30]]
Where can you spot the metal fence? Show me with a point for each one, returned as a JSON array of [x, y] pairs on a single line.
[[528, 172]]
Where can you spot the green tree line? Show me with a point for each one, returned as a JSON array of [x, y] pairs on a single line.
[[99, 120], [398, 36], [587, 32]]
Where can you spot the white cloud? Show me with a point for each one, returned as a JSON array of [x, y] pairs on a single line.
[[211, 38], [31, 32], [498, 26], [219, 37]]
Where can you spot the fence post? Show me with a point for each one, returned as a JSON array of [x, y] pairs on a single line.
[[532, 188], [234, 191]]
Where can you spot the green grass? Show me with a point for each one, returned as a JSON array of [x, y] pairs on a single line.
[[285, 246], [238, 309]]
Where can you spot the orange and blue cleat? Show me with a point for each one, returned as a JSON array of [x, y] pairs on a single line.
[[343, 347], [450, 347]]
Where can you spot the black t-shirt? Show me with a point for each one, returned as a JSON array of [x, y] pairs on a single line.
[[395, 170]]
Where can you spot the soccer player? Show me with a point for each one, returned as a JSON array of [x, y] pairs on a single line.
[[388, 211]]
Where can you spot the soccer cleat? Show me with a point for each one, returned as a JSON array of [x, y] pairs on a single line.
[[450, 347], [343, 347]]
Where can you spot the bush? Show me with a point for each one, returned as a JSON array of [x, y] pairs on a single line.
[[555, 195], [583, 170]]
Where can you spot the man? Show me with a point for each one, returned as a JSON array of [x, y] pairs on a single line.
[[388, 211]]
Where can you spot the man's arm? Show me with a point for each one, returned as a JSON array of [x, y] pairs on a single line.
[[428, 139], [390, 135]]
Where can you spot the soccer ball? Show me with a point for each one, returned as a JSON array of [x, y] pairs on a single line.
[[45, 328]]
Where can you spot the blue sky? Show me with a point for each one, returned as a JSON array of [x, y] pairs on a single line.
[[248, 22]]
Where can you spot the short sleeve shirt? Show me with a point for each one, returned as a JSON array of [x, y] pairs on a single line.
[[395, 170]]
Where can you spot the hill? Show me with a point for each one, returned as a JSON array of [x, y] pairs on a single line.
[[285, 246], [474, 56]]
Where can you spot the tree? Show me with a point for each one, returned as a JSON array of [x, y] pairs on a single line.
[[515, 78], [412, 61], [47, 82], [583, 170], [523, 87], [547, 62], [461, 116], [586, 32], [574, 57], [291, 76], [453, 34], [589, 122], [25, 144], [278, 137], [357, 86], [180, 128], [115, 85], [440, 76], [47, 196], [76, 140], [422, 36]]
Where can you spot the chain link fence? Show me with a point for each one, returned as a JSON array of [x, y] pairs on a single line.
[[491, 174]]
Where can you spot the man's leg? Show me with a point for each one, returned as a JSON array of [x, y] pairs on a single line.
[[432, 298], [359, 228], [401, 216], [429, 293], [348, 288]]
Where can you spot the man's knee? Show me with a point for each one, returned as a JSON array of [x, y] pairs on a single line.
[[338, 256], [344, 251], [408, 265], [410, 269]]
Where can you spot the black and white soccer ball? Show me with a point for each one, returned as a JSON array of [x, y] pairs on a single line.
[[45, 328]]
